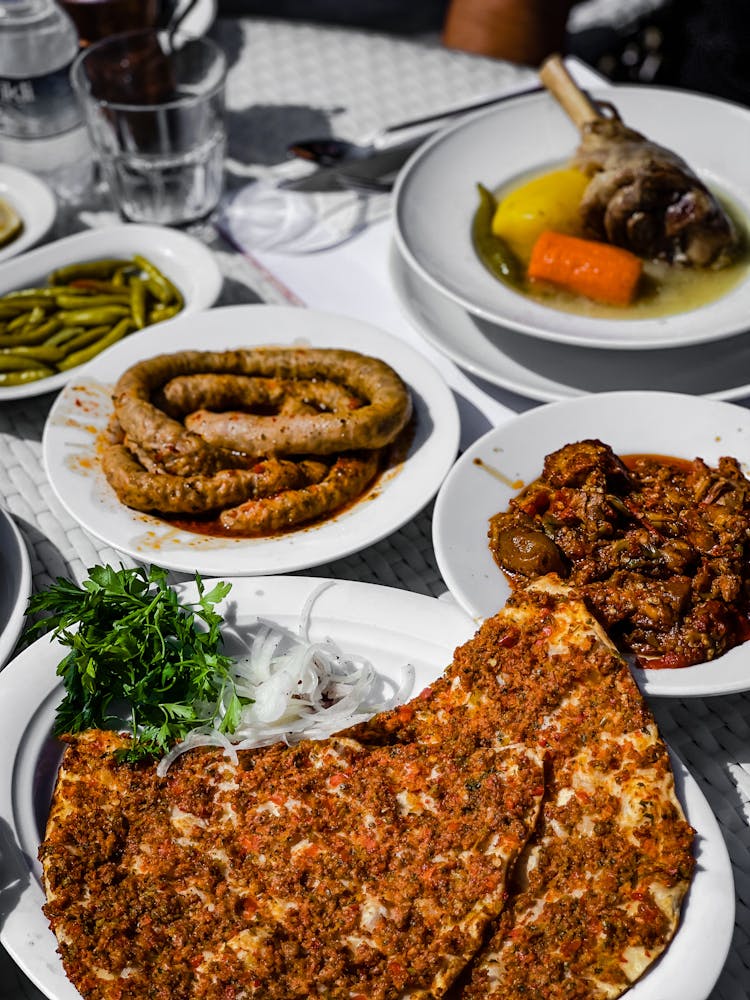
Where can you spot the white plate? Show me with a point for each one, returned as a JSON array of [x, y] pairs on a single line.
[[391, 627], [15, 584], [184, 260], [544, 370], [435, 200], [632, 423], [35, 203], [69, 446]]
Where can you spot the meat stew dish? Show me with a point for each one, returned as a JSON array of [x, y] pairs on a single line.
[[626, 228], [657, 547], [663, 289]]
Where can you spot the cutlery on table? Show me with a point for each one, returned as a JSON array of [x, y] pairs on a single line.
[[375, 172], [363, 185], [330, 151]]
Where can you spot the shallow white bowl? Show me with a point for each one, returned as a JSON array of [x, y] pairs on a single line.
[[436, 197], [15, 584], [488, 474], [184, 260], [35, 203]]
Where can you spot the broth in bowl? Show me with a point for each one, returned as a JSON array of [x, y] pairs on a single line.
[[509, 221]]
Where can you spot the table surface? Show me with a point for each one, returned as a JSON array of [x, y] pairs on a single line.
[[289, 80]]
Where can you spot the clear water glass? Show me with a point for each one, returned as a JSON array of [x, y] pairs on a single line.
[[156, 121]]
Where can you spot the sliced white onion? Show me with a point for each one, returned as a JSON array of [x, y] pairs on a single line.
[[300, 689]]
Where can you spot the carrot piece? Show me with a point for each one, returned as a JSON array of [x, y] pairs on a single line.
[[599, 271]]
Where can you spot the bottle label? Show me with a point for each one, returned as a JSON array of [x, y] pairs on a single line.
[[38, 106]]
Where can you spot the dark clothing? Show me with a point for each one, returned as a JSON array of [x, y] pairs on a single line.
[[406, 17], [708, 48], [699, 45]]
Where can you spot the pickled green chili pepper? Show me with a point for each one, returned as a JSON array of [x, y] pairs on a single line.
[[30, 318], [86, 335], [494, 252], [120, 277], [17, 362], [159, 285], [40, 294], [159, 313], [11, 306], [88, 269], [31, 335], [138, 301], [92, 301], [41, 352], [87, 353], [27, 375], [93, 317], [64, 334], [81, 310]]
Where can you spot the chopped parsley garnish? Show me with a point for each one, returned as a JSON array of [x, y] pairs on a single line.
[[138, 654]]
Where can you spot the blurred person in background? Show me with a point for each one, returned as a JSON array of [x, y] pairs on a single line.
[[701, 45]]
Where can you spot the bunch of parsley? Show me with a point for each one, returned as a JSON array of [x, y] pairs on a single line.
[[137, 652]]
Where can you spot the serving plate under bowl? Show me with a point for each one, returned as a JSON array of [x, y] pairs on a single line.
[[436, 196], [80, 414], [184, 260], [15, 584], [495, 468], [390, 628], [549, 371]]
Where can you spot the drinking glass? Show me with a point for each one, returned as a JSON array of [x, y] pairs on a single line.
[[155, 116]]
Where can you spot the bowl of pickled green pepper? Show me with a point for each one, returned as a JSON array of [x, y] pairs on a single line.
[[77, 312]]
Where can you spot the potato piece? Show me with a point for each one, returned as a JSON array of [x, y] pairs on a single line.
[[550, 201]]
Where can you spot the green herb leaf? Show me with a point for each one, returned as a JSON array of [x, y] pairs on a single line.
[[135, 651]]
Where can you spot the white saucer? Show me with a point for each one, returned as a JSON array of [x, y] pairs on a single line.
[[34, 202], [548, 371]]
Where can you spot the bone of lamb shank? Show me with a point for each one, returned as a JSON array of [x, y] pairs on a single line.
[[641, 196]]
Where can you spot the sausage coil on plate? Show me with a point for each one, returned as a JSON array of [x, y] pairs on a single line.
[[346, 479], [170, 494], [385, 410], [265, 438]]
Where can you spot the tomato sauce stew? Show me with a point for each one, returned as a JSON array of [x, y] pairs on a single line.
[[658, 547]]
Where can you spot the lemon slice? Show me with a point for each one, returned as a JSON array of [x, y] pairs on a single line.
[[10, 222]]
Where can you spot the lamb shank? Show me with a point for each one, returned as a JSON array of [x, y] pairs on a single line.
[[641, 196]]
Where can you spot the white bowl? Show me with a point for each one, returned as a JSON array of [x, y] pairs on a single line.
[[34, 202], [184, 260], [15, 584], [491, 471], [436, 198]]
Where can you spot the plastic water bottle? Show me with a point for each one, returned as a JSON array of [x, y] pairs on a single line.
[[41, 124]]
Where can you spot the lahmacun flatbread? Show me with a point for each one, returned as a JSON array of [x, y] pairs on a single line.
[[596, 897], [365, 866], [325, 867]]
